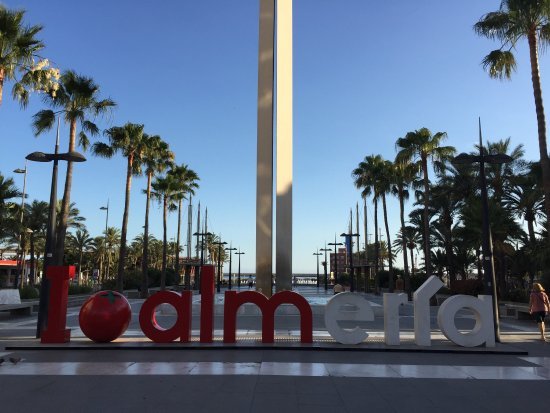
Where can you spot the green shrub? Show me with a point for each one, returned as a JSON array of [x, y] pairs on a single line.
[[467, 287], [517, 295], [132, 279], [79, 289], [29, 292], [417, 280]]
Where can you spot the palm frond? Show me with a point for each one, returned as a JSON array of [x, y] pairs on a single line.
[[499, 64]]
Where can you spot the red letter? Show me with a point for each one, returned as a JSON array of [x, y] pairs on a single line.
[[234, 300], [207, 304], [182, 326], [55, 331]]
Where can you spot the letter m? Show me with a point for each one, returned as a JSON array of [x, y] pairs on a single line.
[[267, 306]]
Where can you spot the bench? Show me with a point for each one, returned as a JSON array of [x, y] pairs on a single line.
[[17, 309], [517, 310]]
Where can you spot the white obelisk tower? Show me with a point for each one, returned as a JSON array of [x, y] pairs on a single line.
[[275, 34]]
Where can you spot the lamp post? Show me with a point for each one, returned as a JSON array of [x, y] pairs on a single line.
[[230, 255], [239, 276], [325, 264], [489, 280], [19, 245], [106, 208], [351, 269], [335, 244], [317, 254], [219, 244], [50, 230]]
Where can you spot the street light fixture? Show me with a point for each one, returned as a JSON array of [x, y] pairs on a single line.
[[336, 245], [325, 264], [489, 280], [317, 254], [230, 255], [239, 276], [19, 245], [219, 244], [50, 230], [351, 271]]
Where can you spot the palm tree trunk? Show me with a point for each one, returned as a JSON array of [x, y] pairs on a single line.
[[145, 258], [427, 257], [406, 276], [412, 261], [122, 253], [531, 230], [79, 267], [31, 277], [539, 106], [390, 256], [376, 249], [177, 266], [2, 74], [164, 244], [449, 248], [66, 203]]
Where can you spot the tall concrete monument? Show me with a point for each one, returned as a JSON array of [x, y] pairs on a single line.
[[275, 35]]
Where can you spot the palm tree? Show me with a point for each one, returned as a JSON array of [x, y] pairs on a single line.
[[82, 242], [19, 56], [132, 143], [516, 20], [76, 98], [404, 175], [112, 240], [36, 219], [8, 191], [186, 183], [365, 177], [156, 159], [526, 201], [420, 146], [163, 191]]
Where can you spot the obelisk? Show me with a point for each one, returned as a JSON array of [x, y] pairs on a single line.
[[275, 29]]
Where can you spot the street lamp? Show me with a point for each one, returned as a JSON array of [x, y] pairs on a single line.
[[239, 276], [335, 244], [19, 245], [219, 244], [317, 254], [351, 271], [325, 264], [106, 208], [50, 230], [489, 280], [230, 255]]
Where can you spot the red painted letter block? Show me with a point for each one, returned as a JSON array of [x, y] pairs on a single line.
[[55, 331], [234, 300], [182, 327], [207, 304]]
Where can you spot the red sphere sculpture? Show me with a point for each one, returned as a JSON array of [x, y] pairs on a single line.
[[105, 316]]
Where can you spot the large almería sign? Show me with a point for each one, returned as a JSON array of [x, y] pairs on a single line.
[[105, 322]]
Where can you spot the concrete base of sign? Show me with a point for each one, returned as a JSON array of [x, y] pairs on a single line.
[[10, 296]]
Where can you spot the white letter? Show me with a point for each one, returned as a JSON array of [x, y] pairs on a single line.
[[391, 317], [421, 298], [347, 306], [483, 331]]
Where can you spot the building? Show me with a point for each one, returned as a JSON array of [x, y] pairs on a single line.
[[341, 261]]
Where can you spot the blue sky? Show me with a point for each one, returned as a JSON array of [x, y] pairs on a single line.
[[365, 73]]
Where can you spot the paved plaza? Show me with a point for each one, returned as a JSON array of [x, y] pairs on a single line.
[[138, 376]]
